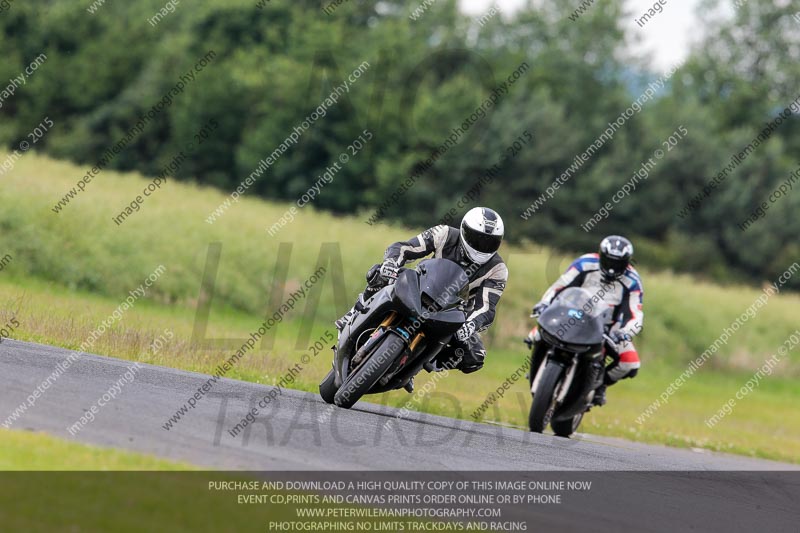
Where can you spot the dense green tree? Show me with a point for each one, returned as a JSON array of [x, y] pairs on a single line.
[[275, 63]]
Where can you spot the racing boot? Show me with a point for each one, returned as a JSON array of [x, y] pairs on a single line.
[[600, 395], [348, 316], [344, 320]]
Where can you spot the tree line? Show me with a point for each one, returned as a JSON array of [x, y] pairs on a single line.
[[276, 62]]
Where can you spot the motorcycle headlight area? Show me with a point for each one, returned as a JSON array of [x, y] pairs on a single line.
[[551, 339]]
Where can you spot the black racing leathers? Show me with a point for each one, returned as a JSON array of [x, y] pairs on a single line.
[[487, 283]]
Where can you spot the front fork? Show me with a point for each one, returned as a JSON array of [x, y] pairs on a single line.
[[538, 356], [412, 339], [565, 383], [370, 343]]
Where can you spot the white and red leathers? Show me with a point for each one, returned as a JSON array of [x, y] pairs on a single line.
[[624, 295]]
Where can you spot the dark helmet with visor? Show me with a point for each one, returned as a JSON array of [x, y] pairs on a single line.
[[615, 256]]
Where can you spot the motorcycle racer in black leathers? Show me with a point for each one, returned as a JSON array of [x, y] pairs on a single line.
[[474, 247]]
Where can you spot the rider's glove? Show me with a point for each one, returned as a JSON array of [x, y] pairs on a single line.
[[389, 269], [466, 331], [539, 308], [619, 336]]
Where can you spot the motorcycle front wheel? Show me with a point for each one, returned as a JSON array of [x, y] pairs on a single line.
[[362, 379], [327, 387], [544, 401]]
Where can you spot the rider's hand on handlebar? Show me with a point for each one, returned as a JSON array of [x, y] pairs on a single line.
[[466, 331], [389, 269], [619, 336]]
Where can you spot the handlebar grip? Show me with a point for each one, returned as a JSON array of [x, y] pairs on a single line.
[[611, 342]]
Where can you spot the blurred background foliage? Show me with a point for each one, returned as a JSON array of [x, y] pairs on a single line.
[[275, 65]]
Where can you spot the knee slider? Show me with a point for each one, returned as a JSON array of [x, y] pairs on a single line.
[[470, 368]]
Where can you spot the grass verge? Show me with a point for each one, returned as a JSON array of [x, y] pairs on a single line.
[[26, 451], [63, 274], [765, 424]]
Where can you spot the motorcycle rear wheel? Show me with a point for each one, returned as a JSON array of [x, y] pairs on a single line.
[[565, 428], [361, 380], [544, 398]]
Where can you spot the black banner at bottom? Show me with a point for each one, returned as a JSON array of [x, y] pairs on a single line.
[[346, 501]]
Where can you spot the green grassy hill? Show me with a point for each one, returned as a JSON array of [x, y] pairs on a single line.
[[69, 271]]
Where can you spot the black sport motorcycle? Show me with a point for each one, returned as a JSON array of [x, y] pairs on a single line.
[[563, 382], [397, 332]]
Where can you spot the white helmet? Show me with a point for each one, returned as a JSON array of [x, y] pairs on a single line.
[[482, 232]]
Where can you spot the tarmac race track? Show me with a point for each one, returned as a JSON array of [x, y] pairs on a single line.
[[297, 431]]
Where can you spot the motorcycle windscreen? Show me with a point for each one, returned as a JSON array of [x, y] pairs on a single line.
[[442, 283], [574, 317]]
